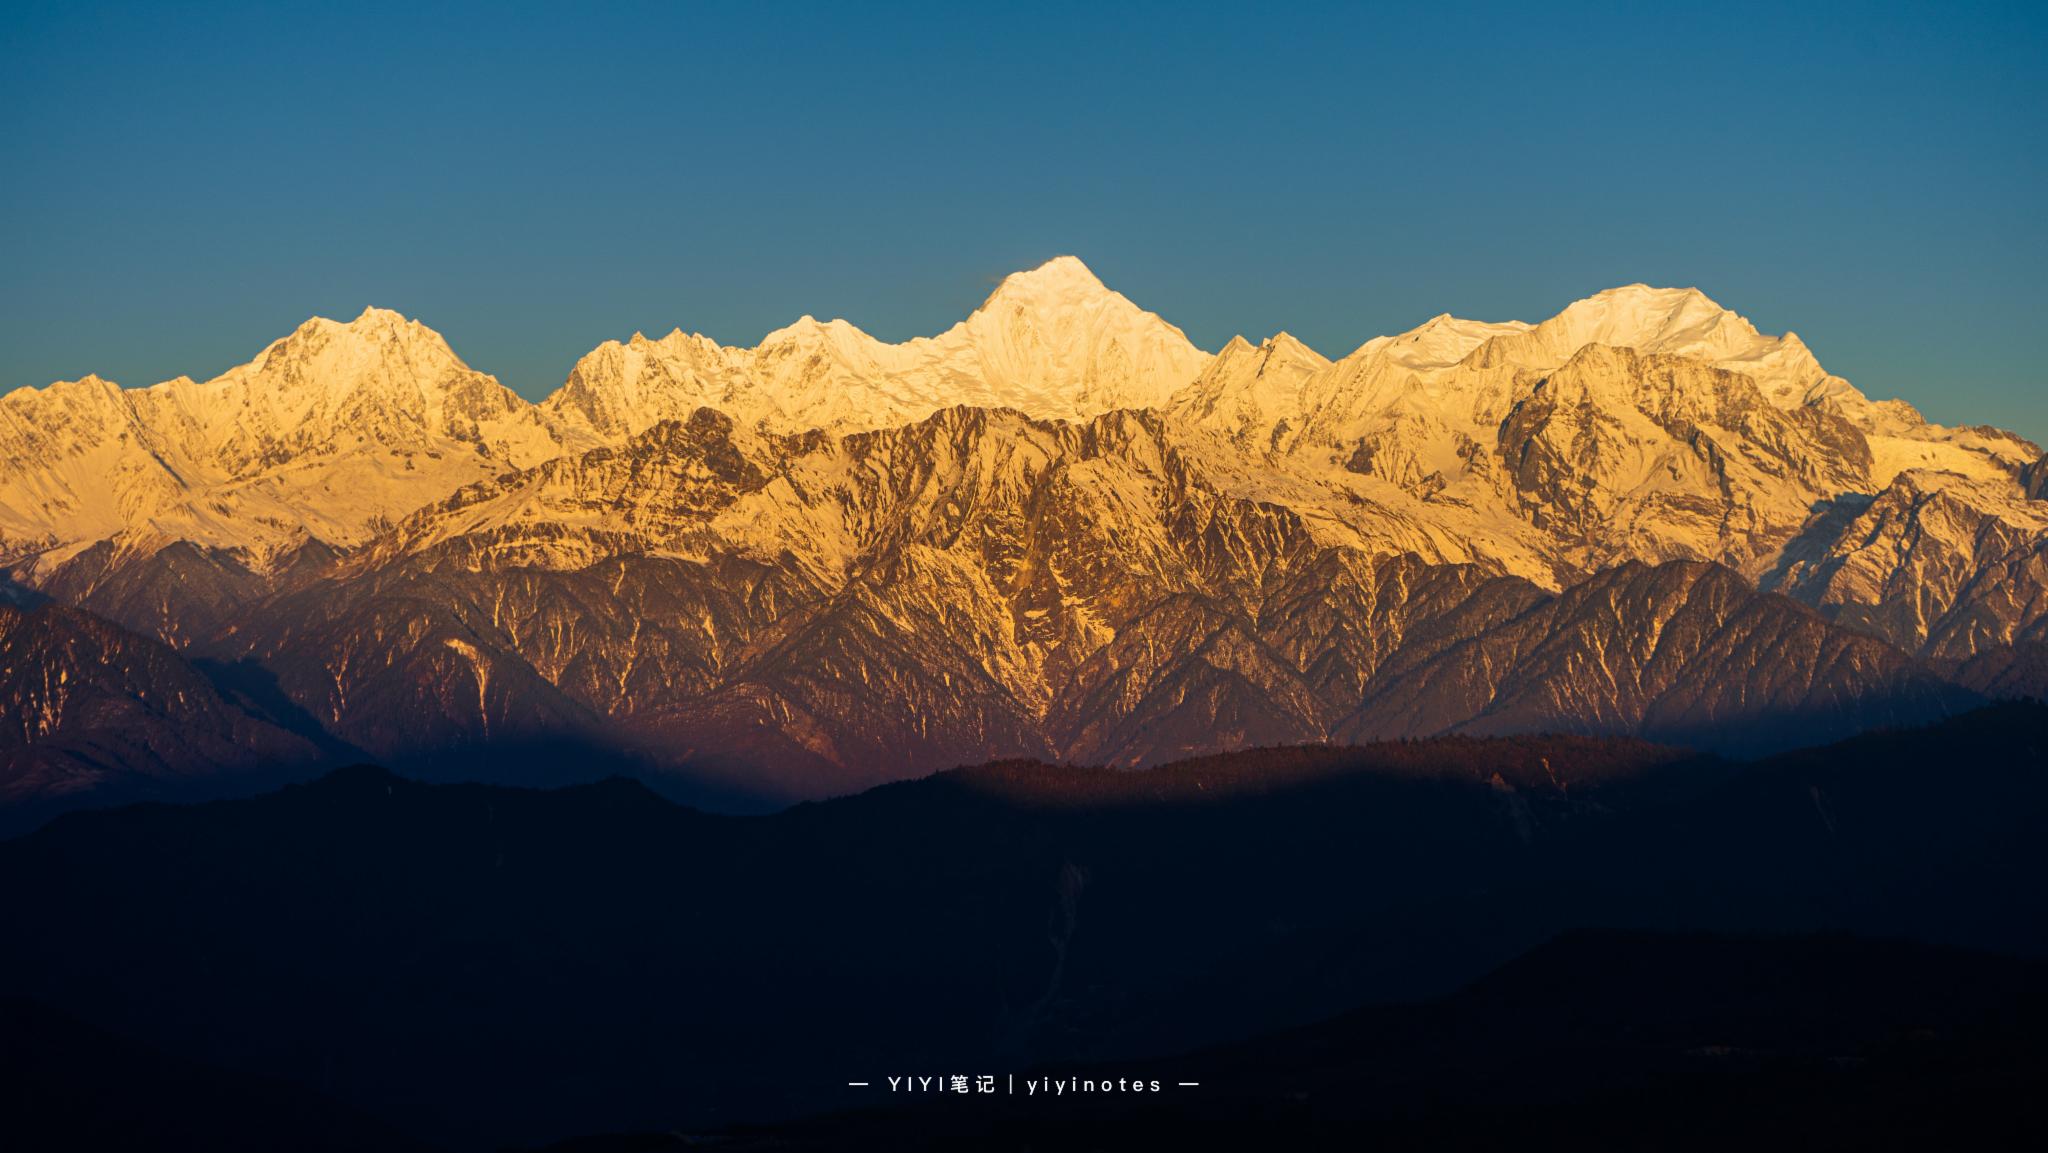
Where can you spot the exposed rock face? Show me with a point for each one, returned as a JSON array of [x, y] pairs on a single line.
[[976, 585], [1673, 652], [2034, 479], [1936, 562], [1620, 456], [1055, 530], [90, 707], [2019, 672]]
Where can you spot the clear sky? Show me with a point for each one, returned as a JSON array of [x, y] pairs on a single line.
[[181, 185]]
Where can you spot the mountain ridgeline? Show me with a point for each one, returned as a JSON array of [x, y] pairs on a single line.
[[1057, 530]]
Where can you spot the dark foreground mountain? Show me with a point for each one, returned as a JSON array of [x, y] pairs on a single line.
[[1597, 1040], [65, 1085], [485, 966]]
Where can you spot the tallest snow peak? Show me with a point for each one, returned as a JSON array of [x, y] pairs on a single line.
[[1059, 280], [1062, 270], [371, 314]]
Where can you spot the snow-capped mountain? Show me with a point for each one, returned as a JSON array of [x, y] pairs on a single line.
[[328, 435], [1056, 529], [1938, 561], [980, 584], [1053, 342], [1638, 424]]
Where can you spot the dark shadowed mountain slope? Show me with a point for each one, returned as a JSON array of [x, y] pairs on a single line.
[[748, 684], [545, 959], [92, 709], [2034, 479], [1596, 1040], [1685, 653], [596, 959], [2016, 673], [66, 1086]]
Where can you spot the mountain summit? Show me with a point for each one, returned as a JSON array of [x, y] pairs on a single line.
[[1054, 342], [1055, 529], [1061, 280], [328, 434], [341, 429]]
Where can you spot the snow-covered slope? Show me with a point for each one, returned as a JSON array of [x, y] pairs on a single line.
[[1454, 376], [1056, 529], [77, 464], [1252, 393], [1053, 342], [1638, 424], [1937, 560], [329, 434]]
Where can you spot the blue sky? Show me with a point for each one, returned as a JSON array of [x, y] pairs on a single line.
[[182, 185]]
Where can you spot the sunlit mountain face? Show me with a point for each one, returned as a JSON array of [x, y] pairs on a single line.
[[1057, 530], [985, 700], [1500, 735], [665, 615]]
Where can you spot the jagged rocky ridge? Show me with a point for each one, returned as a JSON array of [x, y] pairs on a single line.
[[1056, 530], [95, 710]]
